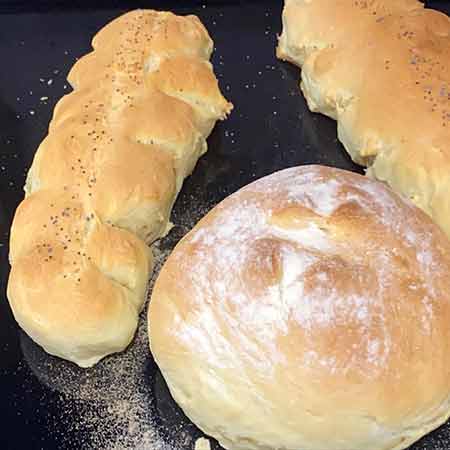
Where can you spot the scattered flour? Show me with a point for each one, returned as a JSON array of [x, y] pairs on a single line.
[[111, 406], [108, 406]]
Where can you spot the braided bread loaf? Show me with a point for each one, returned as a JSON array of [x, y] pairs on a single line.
[[380, 68], [103, 182]]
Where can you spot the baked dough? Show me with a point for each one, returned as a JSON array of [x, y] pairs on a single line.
[[380, 68], [103, 182], [309, 311]]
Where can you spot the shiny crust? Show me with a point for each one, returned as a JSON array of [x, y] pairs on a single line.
[[380, 68], [308, 311], [103, 182]]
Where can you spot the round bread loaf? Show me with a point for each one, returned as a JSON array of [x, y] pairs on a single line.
[[308, 311]]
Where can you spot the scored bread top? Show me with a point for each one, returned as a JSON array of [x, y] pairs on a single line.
[[103, 182], [310, 310]]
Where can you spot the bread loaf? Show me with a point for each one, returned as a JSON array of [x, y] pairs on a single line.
[[103, 182], [309, 311], [380, 68]]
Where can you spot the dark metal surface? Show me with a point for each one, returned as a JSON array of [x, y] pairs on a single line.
[[270, 129]]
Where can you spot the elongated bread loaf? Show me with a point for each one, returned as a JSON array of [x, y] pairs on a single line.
[[380, 68], [103, 182]]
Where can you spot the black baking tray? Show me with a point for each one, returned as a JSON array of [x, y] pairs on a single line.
[[123, 403]]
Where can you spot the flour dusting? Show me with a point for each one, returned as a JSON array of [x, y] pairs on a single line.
[[108, 406], [111, 406], [265, 278]]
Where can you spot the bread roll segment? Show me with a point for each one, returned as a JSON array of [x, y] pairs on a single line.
[[380, 68], [310, 311], [103, 182]]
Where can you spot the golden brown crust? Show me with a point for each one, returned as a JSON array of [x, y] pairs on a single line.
[[380, 69], [104, 181], [312, 309]]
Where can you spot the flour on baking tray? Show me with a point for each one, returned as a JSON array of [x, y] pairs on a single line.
[[111, 406]]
